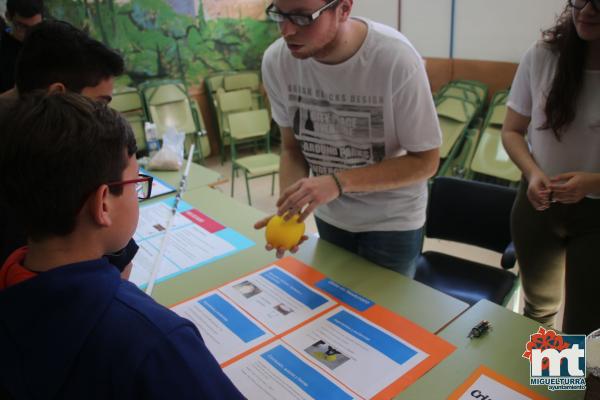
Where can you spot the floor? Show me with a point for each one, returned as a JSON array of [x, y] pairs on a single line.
[[260, 189]]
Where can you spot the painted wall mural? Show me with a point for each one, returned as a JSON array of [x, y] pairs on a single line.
[[175, 39]]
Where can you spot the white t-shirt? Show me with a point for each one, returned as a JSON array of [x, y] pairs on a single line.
[[579, 146], [373, 106]]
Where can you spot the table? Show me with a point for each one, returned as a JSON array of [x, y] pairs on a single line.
[[500, 349], [421, 304], [198, 177]]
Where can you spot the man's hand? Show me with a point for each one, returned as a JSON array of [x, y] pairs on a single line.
[[280, 252], [538, 191], [305, 195], [572, 187]]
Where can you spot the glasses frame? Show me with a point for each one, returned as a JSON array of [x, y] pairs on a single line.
[[295, 19], [142, 178], [595, 4]]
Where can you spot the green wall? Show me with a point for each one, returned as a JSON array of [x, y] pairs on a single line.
[[158, 42]]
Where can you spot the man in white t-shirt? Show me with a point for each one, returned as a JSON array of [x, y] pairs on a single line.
[[360, 135]]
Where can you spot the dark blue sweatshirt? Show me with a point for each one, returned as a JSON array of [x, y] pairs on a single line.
[[80, 332]]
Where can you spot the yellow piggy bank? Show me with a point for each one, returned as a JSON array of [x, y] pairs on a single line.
[[284, 234]]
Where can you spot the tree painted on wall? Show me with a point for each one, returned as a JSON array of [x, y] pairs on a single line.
[[159, 43]]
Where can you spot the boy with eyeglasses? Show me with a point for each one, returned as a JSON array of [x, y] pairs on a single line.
[[359, 129], [70, 327]]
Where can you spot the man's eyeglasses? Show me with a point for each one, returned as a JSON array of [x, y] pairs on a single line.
[[143, 186], [580, 4], [298, 19]]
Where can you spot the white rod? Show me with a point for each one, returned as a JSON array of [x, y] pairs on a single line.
[[163, 244]]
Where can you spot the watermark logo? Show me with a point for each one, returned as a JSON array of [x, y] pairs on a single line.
[[556, 361]]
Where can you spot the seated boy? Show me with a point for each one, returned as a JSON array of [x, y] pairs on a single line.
[[70, 327]]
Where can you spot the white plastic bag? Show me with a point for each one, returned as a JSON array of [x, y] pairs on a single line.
[[170, 156]]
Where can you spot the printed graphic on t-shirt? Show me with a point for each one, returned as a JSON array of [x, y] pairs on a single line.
[[338, 132]]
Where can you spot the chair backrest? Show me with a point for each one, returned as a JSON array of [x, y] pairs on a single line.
[[470, 212], [456, 108], [127, 100], [497, 111], [249, 124], [237, 100], [169, 105], [242, 80]]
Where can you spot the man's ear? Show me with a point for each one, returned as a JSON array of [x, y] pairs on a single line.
[[346, 7], [98, 206], [57, 87]]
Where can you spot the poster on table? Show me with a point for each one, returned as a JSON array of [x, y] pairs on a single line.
[[290, 332]]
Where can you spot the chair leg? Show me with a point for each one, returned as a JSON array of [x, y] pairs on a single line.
[[199, 148], [272, 183], [247, 187], [232, 177]]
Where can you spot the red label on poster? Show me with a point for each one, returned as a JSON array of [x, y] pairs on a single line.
[[203, 221]]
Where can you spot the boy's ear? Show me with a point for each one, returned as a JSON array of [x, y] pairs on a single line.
[[98, 206], [57, 87]]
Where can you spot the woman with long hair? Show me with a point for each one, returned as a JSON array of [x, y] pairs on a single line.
[[552, 133]]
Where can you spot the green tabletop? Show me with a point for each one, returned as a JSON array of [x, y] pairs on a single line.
[[198, 177], [500, 350], [419, 303]]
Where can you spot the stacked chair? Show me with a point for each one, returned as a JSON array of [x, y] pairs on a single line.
[[458, 104], [129, 103], [169, 105], [490, 162], [243, 120], [228, 82], [228, 103]]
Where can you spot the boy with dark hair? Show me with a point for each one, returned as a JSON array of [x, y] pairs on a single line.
[[70, 328], [21, 16], [58, 56]]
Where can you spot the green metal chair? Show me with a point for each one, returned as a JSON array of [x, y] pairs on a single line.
[[490, 159], [473, 91], [455, 114], [129, 103], [457, 164], [227, 103], [245, 80], [479, 87], [252, 126], [168, 104]]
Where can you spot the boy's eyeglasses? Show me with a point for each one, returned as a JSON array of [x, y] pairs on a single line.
[[298, 19], [580, 4], [143, 186]]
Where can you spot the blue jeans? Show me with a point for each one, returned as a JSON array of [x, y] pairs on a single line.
[[395, 250]]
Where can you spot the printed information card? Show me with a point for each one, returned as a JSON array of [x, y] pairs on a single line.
[[289, 332], [194, 240]]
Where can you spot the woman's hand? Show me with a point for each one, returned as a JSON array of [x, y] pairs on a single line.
[[538, 191], [572, 187]]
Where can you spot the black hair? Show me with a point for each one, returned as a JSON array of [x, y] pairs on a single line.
[[24, 8], [56, 51], [568, 79], [57, 149]]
